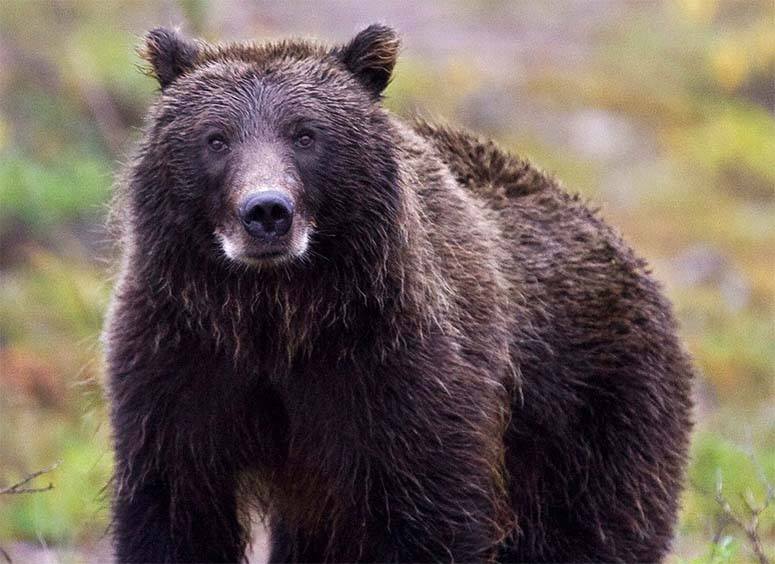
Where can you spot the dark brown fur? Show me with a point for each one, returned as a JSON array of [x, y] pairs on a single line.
[[468, 364]]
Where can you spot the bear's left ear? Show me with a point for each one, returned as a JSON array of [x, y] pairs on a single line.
[[371, 56], [169, 54]]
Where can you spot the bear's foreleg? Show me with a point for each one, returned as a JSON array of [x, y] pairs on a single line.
[[175, 468]]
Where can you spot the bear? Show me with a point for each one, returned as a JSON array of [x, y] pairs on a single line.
[[391, 339]]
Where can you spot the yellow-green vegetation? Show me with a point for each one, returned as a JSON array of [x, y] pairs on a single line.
[[663, 114]]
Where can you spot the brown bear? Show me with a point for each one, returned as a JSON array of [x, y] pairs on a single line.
[[394, 340]]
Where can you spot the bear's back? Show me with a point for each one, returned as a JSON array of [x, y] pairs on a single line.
[[562, 259]]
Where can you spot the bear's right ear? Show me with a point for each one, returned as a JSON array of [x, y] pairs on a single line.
[[169, 54]]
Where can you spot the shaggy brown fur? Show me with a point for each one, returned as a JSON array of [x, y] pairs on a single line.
[[465, 363]]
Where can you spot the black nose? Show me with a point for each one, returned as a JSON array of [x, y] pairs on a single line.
[[268, 214]]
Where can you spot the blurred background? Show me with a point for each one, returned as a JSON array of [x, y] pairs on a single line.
[[661, 113]]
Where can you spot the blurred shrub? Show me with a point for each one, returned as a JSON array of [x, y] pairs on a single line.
[[46, 195]]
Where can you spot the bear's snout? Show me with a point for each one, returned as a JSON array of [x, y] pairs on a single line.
[[267, 215]]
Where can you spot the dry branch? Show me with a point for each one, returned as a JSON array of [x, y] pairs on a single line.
[[749, 523], [21, 486]]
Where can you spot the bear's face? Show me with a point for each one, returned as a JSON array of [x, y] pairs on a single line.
[[271, 150]]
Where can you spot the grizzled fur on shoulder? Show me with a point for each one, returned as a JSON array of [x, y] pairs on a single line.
[[395, 341]]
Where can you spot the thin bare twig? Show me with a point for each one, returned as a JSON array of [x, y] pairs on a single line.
[[721, 524], [749, 526], [21, 486]]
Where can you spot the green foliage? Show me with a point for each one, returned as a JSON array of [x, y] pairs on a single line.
[[50, 313], [723, 552], [47, 195], [718, 463], [75, 510], [735, 142]]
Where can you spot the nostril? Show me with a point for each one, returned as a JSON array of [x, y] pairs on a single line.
[[278, 212], [256, 213]]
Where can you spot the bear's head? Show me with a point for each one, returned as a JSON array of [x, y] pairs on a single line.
[[268, 154]]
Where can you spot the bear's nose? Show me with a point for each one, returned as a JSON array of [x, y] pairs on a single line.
[[268, 214]]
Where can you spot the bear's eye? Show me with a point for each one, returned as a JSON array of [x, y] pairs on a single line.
[[304, 139], [217, 143]]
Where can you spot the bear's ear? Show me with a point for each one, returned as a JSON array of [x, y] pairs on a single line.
[[371, 56], [169, 54]]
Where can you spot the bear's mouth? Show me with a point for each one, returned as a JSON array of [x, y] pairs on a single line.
[[266, 256], [241, 248]]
